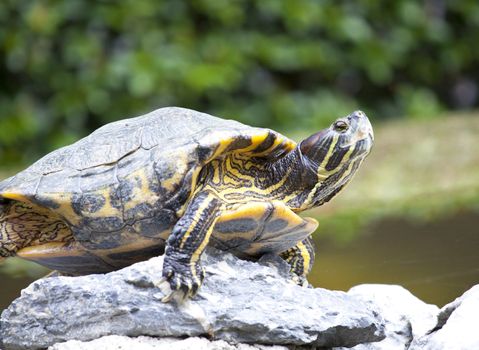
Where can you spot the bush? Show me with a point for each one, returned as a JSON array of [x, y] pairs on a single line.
[[70, 66]]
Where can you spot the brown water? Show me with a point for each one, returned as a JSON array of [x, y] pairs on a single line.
[[437, 261]]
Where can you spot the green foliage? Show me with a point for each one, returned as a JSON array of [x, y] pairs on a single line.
[[69, 66]]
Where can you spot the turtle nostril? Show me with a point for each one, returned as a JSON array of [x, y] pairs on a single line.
[[359, 114], [356, 115]]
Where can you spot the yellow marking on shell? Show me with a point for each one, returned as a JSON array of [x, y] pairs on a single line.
[[178, 170], [288, 144], [51, 250], [71, 249], [305, 255], [283, 212], [225, 141], [194, 182], [141, 194], [138, 243], [256, 211], [231, 236], [15, 196], [312, 224], [181, 168], [223, 144], [164, 234], [285, 143], [66, 210], [64, 202], [107, 209], [254, 248], [256, 140]]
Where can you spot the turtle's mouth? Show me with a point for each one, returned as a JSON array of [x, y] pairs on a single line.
[[360, 143], [365, 130]]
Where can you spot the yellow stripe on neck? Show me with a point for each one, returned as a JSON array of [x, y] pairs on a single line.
[[331, 150]]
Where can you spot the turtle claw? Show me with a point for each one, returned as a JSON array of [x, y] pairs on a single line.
[[168, 297], [179, 295], [183, 281], [165, 286], [300, 281]]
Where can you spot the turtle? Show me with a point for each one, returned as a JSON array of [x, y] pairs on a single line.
[[172, 182]]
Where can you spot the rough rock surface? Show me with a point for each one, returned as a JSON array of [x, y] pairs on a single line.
[[409, 324], [406, 317], [240, 302], [457, 326], [116, 342]]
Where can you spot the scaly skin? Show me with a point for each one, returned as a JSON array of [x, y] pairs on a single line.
[[82, 209], [181, 267], [308, 176], [301, 259]]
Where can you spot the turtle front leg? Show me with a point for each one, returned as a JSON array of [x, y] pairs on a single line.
[[181, 266], [301, 260]]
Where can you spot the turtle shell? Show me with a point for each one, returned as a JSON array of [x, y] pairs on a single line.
[[130, 180]]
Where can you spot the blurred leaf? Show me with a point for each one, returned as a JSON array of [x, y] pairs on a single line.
[[419, 103], [68, 67]]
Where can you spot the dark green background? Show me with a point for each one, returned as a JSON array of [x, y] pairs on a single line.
[[69, 66]]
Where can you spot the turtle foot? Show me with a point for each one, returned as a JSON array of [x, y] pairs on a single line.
[[300, 280], [183, 280]]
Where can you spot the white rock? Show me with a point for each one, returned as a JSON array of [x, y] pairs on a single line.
[[457, 327], [116, 342], [405, 316], [240, 302]]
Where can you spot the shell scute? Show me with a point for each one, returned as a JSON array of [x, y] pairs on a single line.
[[135, 177]]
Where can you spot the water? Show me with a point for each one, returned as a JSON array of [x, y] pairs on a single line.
[[437, 261]]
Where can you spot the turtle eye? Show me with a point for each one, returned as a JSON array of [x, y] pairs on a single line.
[[340, 125]]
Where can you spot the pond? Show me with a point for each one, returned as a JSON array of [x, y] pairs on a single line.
[[437, 261]]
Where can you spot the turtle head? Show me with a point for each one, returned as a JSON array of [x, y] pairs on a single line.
[[333, 155]]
